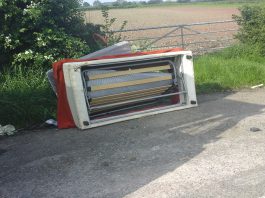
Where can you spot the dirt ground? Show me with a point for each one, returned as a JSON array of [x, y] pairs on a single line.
[[174, 15], [208, 151], [159, 16]]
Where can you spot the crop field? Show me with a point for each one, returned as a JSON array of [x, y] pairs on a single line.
[[174, 15]]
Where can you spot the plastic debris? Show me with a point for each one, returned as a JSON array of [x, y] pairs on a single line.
[[257, 86], [51, 122], [7, 130]]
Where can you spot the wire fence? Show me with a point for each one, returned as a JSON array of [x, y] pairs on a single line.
[[199, 37]]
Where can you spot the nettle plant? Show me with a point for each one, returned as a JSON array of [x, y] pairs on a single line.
[[107, 27], [35, 33]]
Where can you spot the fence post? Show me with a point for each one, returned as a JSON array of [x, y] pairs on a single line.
[[182, 37]]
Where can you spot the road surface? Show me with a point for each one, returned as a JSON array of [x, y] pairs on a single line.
[[207, 151]]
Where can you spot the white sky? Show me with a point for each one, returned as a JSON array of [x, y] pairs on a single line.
[[91, 1]]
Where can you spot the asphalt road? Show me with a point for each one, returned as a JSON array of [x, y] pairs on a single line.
[[207, 151]]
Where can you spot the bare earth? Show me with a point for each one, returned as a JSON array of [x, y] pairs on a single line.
[[174, 15], [207, 151], [159, 16]]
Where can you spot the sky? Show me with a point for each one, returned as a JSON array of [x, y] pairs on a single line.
[[91, 1]]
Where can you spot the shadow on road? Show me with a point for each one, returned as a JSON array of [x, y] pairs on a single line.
[[115, 160]]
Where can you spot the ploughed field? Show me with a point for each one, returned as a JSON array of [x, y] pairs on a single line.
[[174, 15]]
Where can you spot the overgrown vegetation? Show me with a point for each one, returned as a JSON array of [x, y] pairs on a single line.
[[106, 28], [36, 33], [49, 31], [239, 66], [252, 27], [26, 98]]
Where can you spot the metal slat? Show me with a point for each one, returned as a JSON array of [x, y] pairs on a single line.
[[134, 71], [127, 98], [130, 92], [136, 100], [130, 83], [130, 96], [122, 109]]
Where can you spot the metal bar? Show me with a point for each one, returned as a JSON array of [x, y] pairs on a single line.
[[163, 46], [177, 35], [136, 100], [173, 26], [129, 92], [162, 36], [214, 48], [128, 97], [170, 46], [127, 72], [121, 109], [211, 32], [128, 64], [197, 32], [130, 83], [155, 109], [182, 38], [210, 41]]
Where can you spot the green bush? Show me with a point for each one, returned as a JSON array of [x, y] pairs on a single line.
[[34, 33], [252, 27]]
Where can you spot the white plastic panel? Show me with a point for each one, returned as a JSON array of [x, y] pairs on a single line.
[[76, 91]]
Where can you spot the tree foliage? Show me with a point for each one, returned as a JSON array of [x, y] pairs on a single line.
[[34, 33], [97, 3], [155, 1], [252, 26], [86, 4]]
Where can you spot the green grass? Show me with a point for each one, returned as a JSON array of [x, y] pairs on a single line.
[[25, 98], [233, 68]]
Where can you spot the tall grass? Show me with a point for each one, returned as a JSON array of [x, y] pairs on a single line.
[[25, 98], [236, 67]]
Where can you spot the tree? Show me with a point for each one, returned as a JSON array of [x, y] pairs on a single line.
[[121, 2], [97, 3], [252, 25], [155, 1], [86, 4], [142, 2], [47, 30], [184, 1]]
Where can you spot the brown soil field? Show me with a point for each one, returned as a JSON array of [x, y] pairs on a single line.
[[159, 16], [173, 15]]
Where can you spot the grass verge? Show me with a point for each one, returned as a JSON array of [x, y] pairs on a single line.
[[25, 98], [235, 67]]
